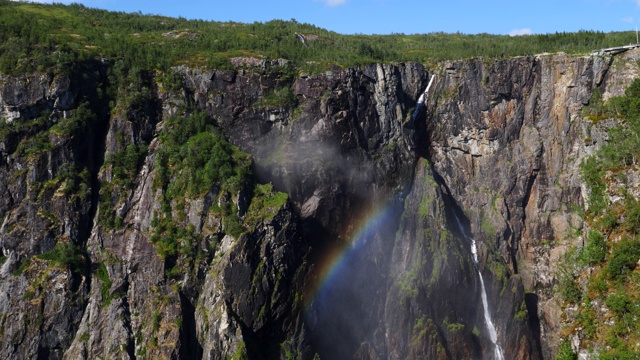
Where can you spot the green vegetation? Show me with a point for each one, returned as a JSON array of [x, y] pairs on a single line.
[[408, 283], [595, 248], [624, 258], [605, 270], [35, 145], [452, 327], [204, 158], [195, 161], [488, 228], [102, 275], [76, 182], [476, 331], [40, 37], [82, 117], [569, 290], [240, 353], [565, 352], [155, 320], [24, 264], [279, 97], [265, 205], [171, 239], [622, 148], [126, 95], [425, 333], [66, 255], [522, 312], [425, 204], [73, 183], [124, 165], [84, 337]]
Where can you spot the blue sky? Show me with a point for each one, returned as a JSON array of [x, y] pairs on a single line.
[[397, 16]]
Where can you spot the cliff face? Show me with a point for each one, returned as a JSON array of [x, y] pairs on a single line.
[[339, 146], [104, 256], [344, 147], [81, 275], [508, 142], [507, 137]]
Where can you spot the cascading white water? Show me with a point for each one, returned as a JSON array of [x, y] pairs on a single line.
[[498, 355], [9, 254], [424, 97], [497, 352], [422, 101]]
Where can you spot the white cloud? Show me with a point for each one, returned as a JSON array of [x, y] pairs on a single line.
[[337, 2], [524, 31], [628, 19]]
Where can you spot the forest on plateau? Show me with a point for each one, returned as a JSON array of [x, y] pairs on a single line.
[[45, 37]]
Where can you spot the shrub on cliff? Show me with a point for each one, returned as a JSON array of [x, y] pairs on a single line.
[[195, 157], [624, 258], [595, 248], [66, 255], [606, 268]]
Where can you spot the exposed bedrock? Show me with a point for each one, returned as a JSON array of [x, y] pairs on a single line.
[[363, 258]]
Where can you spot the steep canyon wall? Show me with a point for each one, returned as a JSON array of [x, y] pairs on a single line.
[[103, 259]]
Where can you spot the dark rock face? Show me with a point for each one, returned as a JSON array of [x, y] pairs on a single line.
[[499, 151], [41, 305], [342, 146], [342, 151], [507, 137]]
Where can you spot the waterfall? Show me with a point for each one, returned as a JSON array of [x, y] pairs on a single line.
[[424, 97], [497, 352], [421, 103]]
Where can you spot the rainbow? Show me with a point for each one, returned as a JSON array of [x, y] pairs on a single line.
[[334, 260]]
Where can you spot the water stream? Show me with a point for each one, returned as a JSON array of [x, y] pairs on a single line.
[[497, 352]]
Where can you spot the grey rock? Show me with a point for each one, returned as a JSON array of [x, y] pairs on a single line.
[[500, 148]]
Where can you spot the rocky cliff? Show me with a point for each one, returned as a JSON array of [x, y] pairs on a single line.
[[134, 225]]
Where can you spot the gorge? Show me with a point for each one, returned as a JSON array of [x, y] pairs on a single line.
[[264, 212]]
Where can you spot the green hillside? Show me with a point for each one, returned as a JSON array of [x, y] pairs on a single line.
[[39, 37]]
